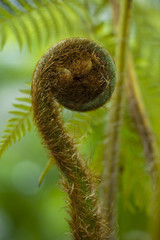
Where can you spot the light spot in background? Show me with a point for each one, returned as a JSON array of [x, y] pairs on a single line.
[[137, 235], [11, 56], [25, 177], [6, 225]]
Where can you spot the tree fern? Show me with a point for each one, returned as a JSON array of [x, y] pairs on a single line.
[[19, 123]]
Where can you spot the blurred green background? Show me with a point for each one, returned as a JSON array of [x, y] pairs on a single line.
[[30, 212]]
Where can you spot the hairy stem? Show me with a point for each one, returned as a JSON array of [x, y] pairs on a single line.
[[110, 173], [86, 221]]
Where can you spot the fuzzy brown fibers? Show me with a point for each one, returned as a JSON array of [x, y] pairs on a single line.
[[75, 73]]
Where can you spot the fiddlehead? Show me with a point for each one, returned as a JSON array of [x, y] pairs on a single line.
[[79, 74]]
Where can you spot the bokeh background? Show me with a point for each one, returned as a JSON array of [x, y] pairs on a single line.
[[30, 212]]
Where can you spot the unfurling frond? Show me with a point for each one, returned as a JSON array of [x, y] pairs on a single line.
[[55, 82], [38, 21], [19, 124]]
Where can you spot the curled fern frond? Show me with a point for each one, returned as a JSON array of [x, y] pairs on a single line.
[[19, 124], [80, 75]]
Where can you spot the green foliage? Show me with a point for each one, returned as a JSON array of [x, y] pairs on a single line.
[[19, 124], [38, 21]]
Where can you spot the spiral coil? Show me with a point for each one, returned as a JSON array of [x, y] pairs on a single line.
[[79, 74], [82, 73]]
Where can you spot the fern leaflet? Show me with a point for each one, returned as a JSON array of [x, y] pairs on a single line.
[[19, 124], [38, 20]]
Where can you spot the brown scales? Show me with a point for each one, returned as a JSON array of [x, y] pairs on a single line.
[[70, 72], [78, 74]]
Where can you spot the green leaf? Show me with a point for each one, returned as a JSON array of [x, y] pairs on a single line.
[[18, 125], [48, 166], [3, 37], [25, 91], [17, 33], [17, 113], [50, 13], [26, 32], [5, 13], [36, 28], [36, 22], [21, 106], [63, 15], [44, 18], [24, 99], [25, 5]]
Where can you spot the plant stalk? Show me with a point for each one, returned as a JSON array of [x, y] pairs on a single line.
[[139, 114], [111, 159], [137, 108], [86, 219]]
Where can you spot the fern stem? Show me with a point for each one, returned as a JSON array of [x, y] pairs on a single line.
[[138, 112], [149, 143], [140, 117], [137, 108], [87, 222], [110, 173]]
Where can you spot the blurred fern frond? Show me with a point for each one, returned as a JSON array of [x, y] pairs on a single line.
[[19, 123], [38, 21]]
